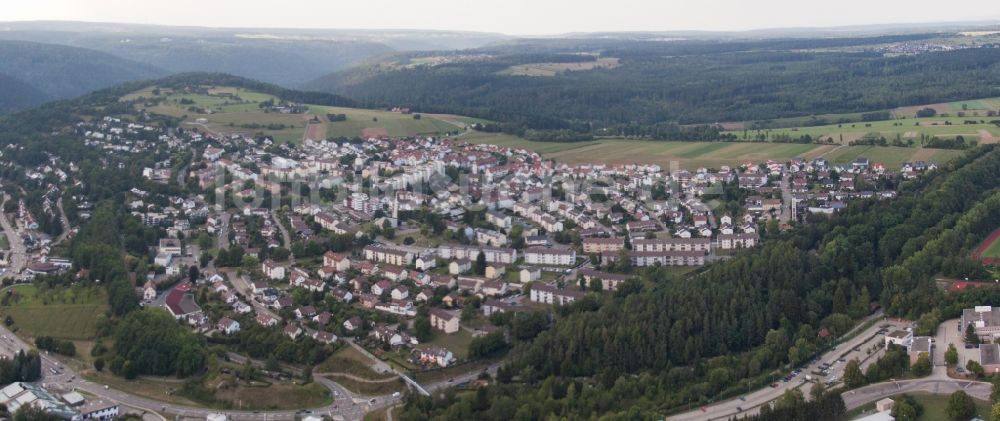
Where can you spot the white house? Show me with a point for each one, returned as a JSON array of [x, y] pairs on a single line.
[[228, 326]]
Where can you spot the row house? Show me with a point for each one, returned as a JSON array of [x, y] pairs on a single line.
[[493, 255], [548, 256], [703, 245], [382, 254], [663, 258], [541, 293], [738, 241], [600, 245]]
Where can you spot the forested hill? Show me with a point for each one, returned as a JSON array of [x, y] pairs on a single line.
[[655, 82], [15, 94], [665, 343], [59, 72]]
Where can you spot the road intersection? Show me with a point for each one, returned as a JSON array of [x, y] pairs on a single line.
[[345, 406]]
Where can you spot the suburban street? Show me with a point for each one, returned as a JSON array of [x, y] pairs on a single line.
[[67, 228], [786, 200], [752, 401], [224, 231]]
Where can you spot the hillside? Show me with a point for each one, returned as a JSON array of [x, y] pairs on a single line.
[[687, 82], [15, 94], [57, 72]]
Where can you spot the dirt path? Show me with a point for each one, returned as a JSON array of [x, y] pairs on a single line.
[[986, 137]]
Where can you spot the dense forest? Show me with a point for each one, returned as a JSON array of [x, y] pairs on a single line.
[[667, 343], [658, 83]]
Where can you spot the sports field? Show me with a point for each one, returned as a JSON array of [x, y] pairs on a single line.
[[236, 110], [693, 155], [988, 251], [67, 313]]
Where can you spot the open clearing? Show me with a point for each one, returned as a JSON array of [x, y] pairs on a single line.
[[553, 69], [69, 313], [693, 155], [228, 110], [348, 360]]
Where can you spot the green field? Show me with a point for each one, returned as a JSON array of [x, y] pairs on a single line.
[[935, 407], [229, 109], [66, 313], [692, 155]]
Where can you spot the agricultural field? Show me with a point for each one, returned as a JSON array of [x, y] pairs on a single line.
[[394, 124], [693, 155], [975, 108], [64, 313], [229, 110], [915, 129], [553, 69]]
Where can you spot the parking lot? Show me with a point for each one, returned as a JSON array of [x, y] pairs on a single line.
[[949, 332]]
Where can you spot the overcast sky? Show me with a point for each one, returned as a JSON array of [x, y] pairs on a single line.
[[515, 17]]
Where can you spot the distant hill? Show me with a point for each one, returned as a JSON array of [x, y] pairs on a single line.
[[47, 72], [288, 57], [15, 95], [641, 86]]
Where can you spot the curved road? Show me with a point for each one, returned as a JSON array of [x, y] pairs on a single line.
[[937, 383], [343, 406]]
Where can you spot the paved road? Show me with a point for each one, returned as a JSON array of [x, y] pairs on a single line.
[[752, 401], [343, 407], [18, 253]]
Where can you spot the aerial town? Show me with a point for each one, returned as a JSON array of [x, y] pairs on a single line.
[[640, 212], [468, 231]]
